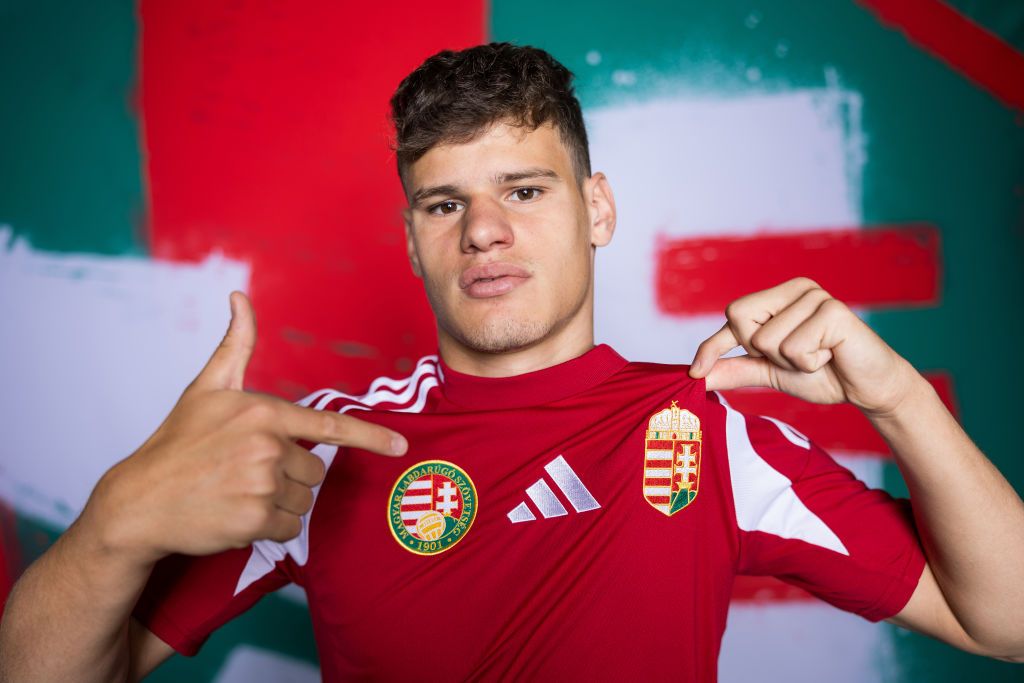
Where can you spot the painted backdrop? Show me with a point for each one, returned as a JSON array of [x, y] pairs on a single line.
[[155, 156]]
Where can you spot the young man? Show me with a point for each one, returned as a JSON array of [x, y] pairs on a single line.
[[559, 512]]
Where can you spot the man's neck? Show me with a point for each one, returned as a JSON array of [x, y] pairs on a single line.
[[566, 344]]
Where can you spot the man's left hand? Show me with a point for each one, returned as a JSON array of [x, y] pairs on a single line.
[[801, 340]]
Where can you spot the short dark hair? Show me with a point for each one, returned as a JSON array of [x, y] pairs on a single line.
[[453, 96]]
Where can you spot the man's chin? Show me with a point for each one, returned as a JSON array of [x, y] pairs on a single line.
[[501, 336]]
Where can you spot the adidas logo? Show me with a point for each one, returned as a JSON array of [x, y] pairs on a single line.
[[544, 498]]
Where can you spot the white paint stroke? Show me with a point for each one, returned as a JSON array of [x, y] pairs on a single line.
[[294, 593], [867, 467], [247, 664], [95, 352], [701, 166], [803, 642]]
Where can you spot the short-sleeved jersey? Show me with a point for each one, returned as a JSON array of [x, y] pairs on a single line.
[[582, 522]]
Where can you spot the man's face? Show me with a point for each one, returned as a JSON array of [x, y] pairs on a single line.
[[502, 235]]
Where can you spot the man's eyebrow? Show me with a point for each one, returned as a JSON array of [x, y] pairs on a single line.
[[525, 174], [498, 179], [425, 192]]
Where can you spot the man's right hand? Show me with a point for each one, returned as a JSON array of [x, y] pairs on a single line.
[[223, 470]]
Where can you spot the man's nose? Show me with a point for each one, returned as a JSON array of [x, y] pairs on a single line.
[[485, 227]]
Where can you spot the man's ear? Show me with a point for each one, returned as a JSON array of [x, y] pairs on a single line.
[[410, 244], [597, 194]]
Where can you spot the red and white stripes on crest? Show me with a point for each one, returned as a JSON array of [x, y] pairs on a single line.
[[407, 395], [431, 492], [658, 473]]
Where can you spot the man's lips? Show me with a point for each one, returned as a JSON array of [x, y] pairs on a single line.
[[492, 279]]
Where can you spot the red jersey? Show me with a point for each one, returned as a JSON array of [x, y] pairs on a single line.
[[582, 522]]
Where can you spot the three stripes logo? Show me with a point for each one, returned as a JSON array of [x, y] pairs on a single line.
[[545, 500]]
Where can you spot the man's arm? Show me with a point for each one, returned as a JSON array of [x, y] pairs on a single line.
[[222, 471], [971, 524], [970, 521], [86, 588], [148, 651]]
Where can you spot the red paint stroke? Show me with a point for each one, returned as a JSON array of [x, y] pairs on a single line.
[[10, 556], [885, 266], [267, 140], [968, 48], [836, 428]]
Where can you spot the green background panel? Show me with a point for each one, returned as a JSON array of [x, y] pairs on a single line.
[[70, 164]]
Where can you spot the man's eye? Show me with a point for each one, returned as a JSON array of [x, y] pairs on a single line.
[[525, 194], [444, 208]]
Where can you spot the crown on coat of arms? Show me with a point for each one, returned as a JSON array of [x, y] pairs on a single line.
[[675, 420]]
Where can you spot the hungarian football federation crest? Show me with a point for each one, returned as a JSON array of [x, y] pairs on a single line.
[[672, 459], [432, 506]]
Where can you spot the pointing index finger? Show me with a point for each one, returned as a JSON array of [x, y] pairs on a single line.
[[324, 426]]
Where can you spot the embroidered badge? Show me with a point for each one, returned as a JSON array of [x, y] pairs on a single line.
[[672, 459], [432, 506]]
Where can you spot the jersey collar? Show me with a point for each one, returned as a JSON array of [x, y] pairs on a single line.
[[533, 388]]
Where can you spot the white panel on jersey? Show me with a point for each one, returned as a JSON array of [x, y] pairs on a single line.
[[521, 513], [382, 389], [790, 432], [266, 553], [764, 497], [544, 498], [571, 485]]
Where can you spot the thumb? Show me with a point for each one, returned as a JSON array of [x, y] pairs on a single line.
[[738, 372], [226, 367]]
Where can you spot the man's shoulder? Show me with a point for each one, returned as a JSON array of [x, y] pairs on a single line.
[[651, 387], [654, 368], [653, 373]]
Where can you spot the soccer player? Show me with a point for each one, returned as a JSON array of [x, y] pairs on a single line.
[[557, 512]]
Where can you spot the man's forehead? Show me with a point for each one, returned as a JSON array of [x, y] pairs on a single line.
[[498, 152]]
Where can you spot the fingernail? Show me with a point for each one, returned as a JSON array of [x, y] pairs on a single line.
[[399, 445]]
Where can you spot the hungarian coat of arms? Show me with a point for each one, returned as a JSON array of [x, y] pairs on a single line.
[[672, 459]]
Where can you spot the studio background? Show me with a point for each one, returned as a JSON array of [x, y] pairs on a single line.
[[156, 155]]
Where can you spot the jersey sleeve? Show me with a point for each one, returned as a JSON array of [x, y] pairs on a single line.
[[808, 521], [188, 598]]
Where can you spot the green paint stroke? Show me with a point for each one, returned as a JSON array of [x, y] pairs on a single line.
[[70, 163], [939, 149]]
